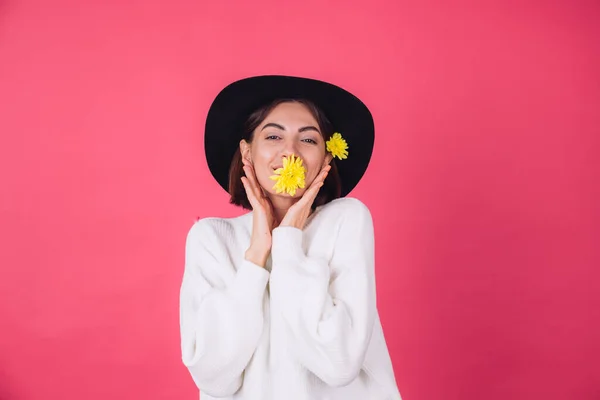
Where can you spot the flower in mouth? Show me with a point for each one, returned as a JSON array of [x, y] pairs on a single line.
[[290, 177]]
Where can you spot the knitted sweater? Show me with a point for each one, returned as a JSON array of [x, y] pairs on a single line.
[[304, 327]]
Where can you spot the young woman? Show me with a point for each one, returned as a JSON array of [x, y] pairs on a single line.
[[280, 302]]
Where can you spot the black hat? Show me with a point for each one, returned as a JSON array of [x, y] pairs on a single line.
[[233, 105]]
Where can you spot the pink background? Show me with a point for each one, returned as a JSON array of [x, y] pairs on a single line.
[[483, 187]]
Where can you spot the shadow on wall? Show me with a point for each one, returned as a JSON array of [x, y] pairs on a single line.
[[4, 10], [6, 391]]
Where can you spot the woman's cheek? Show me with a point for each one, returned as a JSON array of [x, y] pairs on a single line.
[[264, 180]]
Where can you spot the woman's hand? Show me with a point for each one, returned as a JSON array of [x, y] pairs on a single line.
[[297, 214], [262, 218]]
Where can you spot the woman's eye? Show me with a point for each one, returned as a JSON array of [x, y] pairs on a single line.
[[310, 141], [272, 137]]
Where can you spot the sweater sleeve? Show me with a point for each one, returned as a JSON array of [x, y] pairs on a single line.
[[221, 314], [330, 322]]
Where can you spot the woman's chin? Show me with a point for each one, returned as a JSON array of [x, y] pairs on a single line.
[[288, 196]]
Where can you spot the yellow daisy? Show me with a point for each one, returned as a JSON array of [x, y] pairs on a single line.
[[290, 177], [337, 146]]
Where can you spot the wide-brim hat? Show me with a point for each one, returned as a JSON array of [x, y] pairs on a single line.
[[233, 105]]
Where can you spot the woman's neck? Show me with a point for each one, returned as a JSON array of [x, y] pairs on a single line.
[[281, 205]]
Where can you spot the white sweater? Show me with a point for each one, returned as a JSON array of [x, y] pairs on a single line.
[[305, 327]]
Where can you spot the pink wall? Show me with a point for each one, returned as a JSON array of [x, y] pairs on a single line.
[[484, 184]]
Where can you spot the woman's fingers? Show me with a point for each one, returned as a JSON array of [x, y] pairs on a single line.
[[311, 194], [299, 212], [250, 182], [323, 174], [314, 191], [249, 170], [321, 177], [250, 193]]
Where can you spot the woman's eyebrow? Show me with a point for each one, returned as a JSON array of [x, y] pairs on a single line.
[[280, 127], [274, 125], [308, 128]]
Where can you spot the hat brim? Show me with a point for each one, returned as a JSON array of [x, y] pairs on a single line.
[[232, 106]]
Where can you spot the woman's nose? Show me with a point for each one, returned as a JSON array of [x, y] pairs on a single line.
[[289, 149]]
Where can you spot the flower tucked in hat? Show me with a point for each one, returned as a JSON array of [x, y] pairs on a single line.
[[337, 146]]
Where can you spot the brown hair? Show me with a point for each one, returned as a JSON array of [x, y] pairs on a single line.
[[331, 187]]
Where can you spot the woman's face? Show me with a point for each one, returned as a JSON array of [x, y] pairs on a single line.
[[289, 129]]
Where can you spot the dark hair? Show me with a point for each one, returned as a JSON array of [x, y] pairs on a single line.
[[331, 187]]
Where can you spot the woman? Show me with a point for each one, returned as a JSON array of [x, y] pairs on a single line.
[[280, 302]]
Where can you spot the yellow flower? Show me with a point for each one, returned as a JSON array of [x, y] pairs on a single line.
[[290, 177], [337, 146]]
